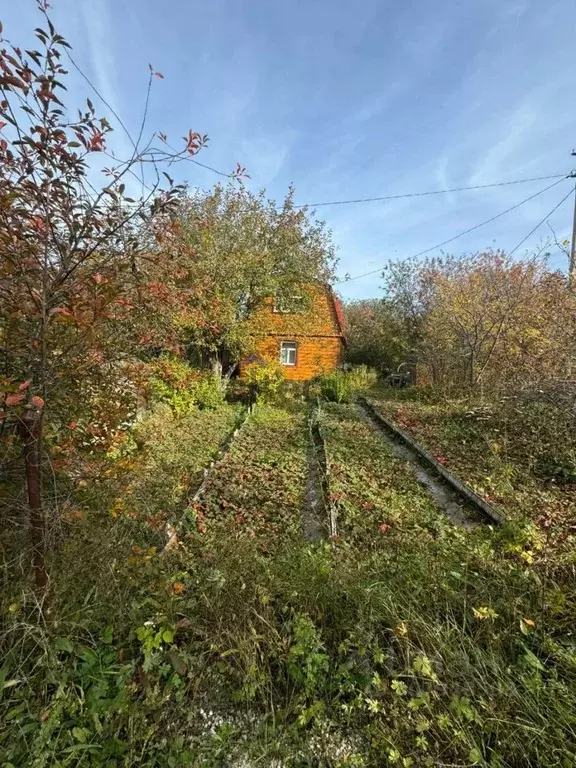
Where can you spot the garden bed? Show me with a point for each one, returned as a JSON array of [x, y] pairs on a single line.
[[495, 456], [258, 488], [375, 491]]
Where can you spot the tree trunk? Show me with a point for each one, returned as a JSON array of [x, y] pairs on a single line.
[[30, 430], [216, 365]]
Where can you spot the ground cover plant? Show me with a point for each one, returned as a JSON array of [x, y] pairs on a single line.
[[405, 641], [517, 455], [111, 526], [257, 490], [479, 615]]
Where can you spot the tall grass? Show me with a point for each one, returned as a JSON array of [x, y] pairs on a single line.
[[343, 385]]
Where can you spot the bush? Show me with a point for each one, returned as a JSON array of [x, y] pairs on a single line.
[[264, 381], [174, 382], [363, 377], [342, 386]]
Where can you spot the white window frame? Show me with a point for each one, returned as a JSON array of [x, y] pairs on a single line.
[[291, 349], [288, 307]]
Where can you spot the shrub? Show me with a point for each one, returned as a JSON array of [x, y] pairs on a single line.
[[342, 386], [264, 381], [174, 382], [362, 376], [336, 387]]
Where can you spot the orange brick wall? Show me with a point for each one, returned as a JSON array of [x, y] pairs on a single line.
[[316, 330], [314, 355]]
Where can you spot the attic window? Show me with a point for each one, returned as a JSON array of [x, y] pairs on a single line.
[[288, 352], [288, 304]]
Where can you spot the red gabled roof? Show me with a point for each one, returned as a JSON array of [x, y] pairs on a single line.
[[339, 312]]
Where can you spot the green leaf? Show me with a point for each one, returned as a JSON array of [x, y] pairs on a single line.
[[531, 660], [63, 644], [79, 734], [3, 675], [474, 756], [178, 663], [168, 635], [107, 635], [456, 575]]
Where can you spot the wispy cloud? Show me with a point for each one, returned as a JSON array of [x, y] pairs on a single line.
[[98, 31]]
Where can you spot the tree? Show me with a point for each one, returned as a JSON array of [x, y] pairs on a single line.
[[76, 286], [485, 319], [234, 249], [375, 335]]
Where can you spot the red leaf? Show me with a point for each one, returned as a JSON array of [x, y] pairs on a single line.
[[24, 385], [15, 399], [3, 125], [60, 311], [97, 278], [384, 527], [38, 401], [159, 74]]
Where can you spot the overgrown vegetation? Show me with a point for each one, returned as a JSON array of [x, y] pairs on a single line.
[[341, 386], [175, 615], [518, 454], [404, 641]]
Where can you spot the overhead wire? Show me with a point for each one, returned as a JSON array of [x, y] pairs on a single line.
[[432, 192], [471, 229], [543, 221], [558, 178]]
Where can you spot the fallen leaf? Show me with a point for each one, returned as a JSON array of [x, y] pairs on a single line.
[[15, 399], [384, 527]]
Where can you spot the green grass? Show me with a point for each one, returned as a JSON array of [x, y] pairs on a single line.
[[419, 644]]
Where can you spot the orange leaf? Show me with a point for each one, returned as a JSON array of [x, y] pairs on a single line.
[[384, 527], [15, 399], [38, 401]]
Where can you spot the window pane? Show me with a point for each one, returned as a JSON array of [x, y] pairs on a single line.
[[288, 352]]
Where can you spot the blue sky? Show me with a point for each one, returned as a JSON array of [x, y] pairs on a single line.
[[350, 100]]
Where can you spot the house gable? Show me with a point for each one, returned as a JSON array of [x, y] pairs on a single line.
[[306, 337]]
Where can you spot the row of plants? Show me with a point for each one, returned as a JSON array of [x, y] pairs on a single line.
[[257, 490], [518, 455], [480, 663]]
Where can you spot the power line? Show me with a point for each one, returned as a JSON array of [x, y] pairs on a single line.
[[471, 229], [433, 192], [540, 223]]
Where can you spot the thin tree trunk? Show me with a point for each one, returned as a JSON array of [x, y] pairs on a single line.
[[30, 429], [216, 365]]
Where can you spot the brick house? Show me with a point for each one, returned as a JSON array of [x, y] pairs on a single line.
[[305, 334]]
